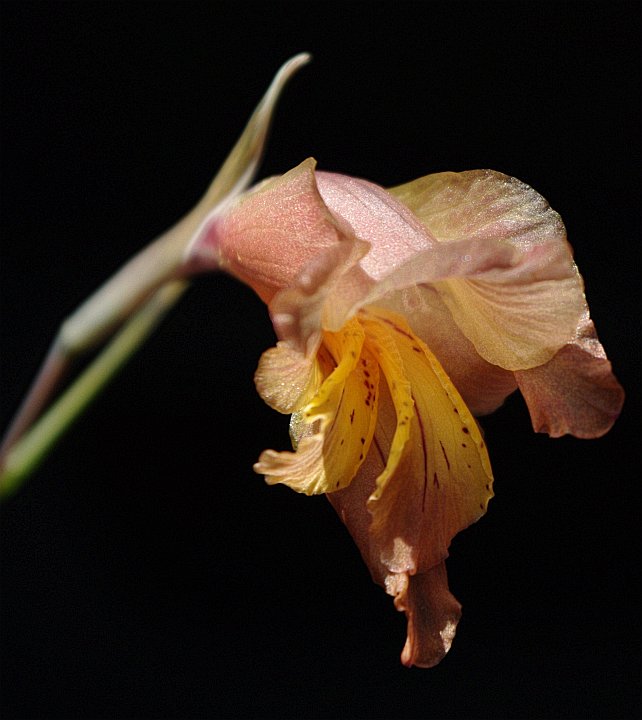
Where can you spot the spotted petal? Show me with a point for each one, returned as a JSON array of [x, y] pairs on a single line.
[[427, 476], [444, 481]]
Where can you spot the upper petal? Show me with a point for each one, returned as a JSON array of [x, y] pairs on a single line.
[[331, 288], [394, 232], [516, 316]]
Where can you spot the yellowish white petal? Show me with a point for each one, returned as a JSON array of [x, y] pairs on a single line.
[[518, 316], [285, 377]]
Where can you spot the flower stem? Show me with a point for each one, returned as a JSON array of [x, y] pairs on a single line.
[[25, 456], [149, 284]]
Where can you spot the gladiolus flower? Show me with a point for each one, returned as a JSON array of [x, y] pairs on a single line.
[[401, 315]]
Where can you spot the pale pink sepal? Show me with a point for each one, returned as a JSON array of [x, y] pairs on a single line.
[[269, 235]]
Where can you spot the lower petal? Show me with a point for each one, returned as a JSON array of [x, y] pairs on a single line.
[[285, 378], [432, 612], [334, 430], [400, 518], [443, 481]]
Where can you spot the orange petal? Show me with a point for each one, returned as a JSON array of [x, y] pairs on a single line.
[[444, 481], [431, 610], [415, 491]]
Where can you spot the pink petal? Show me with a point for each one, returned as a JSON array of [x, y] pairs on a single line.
[[373, 214], [334, 285], [268, 235], [575, 392], [321, 296]]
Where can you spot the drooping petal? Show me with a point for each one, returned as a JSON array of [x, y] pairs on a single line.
[[386, 519], [432, 612], [336, 426], [517, 317], [575, 392], [351, 503]]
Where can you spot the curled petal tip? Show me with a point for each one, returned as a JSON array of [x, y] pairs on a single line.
[[283, 75], [296, 62]]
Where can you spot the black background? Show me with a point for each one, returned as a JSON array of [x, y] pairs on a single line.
[[146, 571]]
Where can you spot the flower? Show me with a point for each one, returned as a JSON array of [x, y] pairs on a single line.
[[402, 314]]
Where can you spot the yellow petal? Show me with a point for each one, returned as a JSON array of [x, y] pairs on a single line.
[[443, 480], [333, 432], [382, 344]]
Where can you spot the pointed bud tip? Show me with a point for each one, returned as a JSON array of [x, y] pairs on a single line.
[[290, 67]]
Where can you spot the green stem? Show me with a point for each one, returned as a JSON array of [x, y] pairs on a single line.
[[25, 456]]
